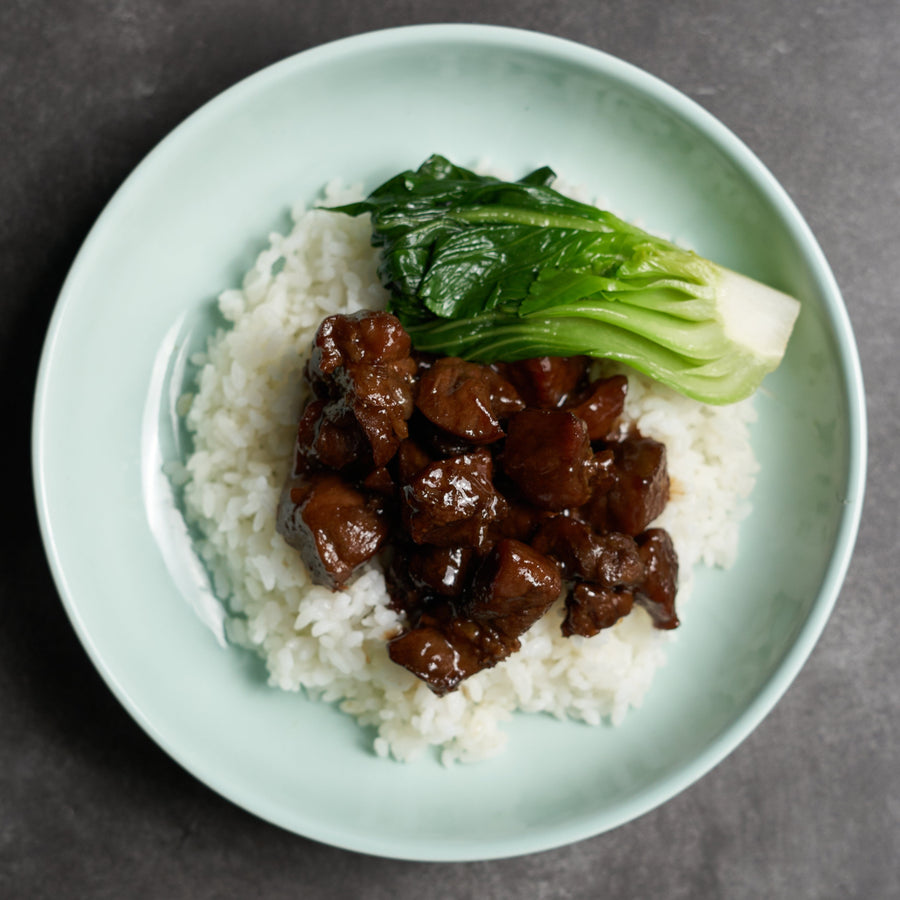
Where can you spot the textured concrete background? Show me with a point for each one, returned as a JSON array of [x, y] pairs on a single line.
[[808, 806]]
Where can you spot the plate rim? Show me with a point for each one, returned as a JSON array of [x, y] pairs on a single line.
[[836, 315]]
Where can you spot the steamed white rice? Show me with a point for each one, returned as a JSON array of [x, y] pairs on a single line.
[[243, 419]]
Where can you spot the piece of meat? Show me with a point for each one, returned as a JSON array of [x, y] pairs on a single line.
[[549, 457], [438, 443], [335, 527], [618, 562], [443, 655], [440, 570], [452, 502], [411, 458], [329, 435], [596, 511], [368, 458], [600, 405], [373, 338], [467, 400], [512, 589], [381, 399], [520, 522], [641, 490], [592, 607], [361, 364], [657, 592], [379, 481], [546, 382], [572, 543], [610, 559], [604, 471]]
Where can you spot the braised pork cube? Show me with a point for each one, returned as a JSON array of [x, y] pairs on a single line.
[[592, 607], [379, 481], [329, 435], [335, 527], [521, 521], [604, 471], [610, 559], [619, 562], [361, 364], [444, 654], [596, 510], [440, 570], [434, 440], [573, 544], [381, 399], [657, 592], [548, 455], [512, 589], [467, 400], [546, 382], [372, 338], [452, 502], [641, 490], [600, 405], [411, 458]]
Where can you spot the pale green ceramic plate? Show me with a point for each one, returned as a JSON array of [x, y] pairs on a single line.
[[185, 226]]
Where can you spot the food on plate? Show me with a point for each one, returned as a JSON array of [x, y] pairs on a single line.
[[481, 506], [496, 270], [332, 640]]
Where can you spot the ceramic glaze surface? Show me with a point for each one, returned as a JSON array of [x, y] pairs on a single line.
[[140, 296]]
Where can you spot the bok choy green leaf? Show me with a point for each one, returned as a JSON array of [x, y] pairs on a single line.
[[491, 270]]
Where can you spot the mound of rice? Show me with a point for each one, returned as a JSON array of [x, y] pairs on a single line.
[[243, 420]]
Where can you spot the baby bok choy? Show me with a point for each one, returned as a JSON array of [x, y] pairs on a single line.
[[497, 271]]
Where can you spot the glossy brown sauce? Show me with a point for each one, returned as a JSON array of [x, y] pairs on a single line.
[[486, 490]]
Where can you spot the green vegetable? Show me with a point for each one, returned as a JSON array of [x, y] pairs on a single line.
[[490, 270]]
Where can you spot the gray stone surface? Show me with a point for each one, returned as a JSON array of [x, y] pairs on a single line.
[[808, 806]]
